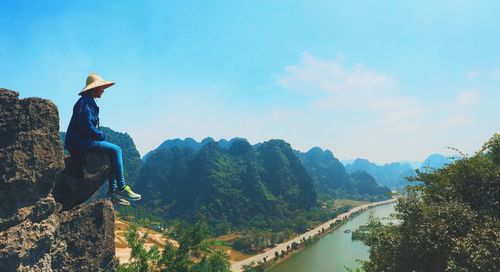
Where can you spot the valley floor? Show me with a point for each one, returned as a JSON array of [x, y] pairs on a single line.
[[237, 258]]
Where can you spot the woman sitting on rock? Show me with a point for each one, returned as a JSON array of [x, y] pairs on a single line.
[[83, 135]]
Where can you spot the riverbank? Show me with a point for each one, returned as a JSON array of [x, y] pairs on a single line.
[[321, 229]]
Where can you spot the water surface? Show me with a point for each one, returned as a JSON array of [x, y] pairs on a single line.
[[336, 250]]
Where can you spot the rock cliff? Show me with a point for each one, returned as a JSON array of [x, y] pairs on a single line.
[[43, 224]]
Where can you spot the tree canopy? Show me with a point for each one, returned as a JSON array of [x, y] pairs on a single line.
[[195, 253], [449, 220]]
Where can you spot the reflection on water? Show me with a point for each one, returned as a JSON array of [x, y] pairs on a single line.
[[336, 250]]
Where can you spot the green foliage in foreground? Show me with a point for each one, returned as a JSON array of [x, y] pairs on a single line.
[[449, 222], [194, 254]]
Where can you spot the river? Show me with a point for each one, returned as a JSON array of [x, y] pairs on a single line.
[[336, 250]]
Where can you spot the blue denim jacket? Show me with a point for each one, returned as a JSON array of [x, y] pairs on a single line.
[[83, 130]]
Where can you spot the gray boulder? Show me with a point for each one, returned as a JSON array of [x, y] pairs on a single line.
[[81, 178]]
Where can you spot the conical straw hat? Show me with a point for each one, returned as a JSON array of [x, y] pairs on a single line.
[[94, 81]]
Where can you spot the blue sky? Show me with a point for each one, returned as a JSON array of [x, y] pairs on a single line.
[[382, 80]]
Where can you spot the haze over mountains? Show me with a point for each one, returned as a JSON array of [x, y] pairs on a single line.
[[393, 175]]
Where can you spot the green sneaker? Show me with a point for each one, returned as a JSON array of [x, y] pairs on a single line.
[[118, 200], [128, 194]]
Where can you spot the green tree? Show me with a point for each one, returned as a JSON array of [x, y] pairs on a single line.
[[449, 220], [216, 262], [141, 259], [194, 254]]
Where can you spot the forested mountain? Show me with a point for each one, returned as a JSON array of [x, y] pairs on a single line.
[[434, 162], [62, 135], [192, 144], [392, 175], [331, 179], [230, 187], [187, 143], [365, 187]]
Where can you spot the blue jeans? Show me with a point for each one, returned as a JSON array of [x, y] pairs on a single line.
[[116, 180]]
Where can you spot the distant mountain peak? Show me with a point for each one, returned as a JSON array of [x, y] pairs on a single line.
[[361, 161], [315, 149], [435, 161], [193, 144], [208, 140], [392, 175]]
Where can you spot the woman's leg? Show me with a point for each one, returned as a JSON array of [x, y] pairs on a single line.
[[117, 179], [118, 189]]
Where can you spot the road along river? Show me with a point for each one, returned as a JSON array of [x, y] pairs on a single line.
[[294, 264]]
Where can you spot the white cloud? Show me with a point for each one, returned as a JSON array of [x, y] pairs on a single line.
[[492, 74], [460, 110], [473, 75], [332, 86], [313, 76], [468, 98], [495, 74], [399, 113], [457, 120], [388, 103]]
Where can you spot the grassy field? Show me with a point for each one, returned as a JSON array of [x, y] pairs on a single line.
[[338, 203], [234, 255]]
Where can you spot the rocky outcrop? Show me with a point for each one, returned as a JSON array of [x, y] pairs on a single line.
[[81, 178], [93, 236], [38, 231]]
